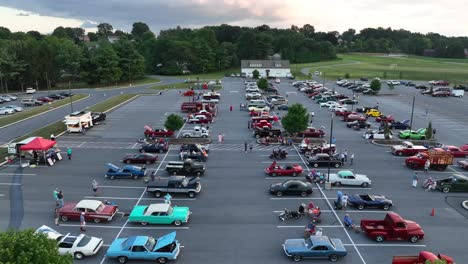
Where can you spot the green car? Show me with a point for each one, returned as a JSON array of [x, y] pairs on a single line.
[[456, 183], [325, 99], [160, 213], [411, 134]]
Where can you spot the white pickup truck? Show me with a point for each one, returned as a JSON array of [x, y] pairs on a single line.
[[196, 132]]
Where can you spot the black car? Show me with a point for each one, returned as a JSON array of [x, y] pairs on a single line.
[[399, 125], [98, 117], [366, 108], [359, 124], [175, 185], [410, 84], [348, 101], [291, 187], [154, 148], [284, 107], [359, 89], [56, 96], [421, 87], [194, 147], [271, 90], [364, 79], [323, 159]]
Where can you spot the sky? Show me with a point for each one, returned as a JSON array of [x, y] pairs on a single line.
[[445, 17]]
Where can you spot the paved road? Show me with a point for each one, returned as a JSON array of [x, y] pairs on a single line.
[[96, 95]]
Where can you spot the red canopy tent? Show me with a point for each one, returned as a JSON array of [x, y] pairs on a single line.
[[39, 143]]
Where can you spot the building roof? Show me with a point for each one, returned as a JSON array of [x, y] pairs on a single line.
[[273, 64]]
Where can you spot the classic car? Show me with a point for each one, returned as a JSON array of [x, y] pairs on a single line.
[[291, 187], [411, 134], [335, 108], [455, 183], [160, 213], [188, 93], [314, 247], [345, 113], [311, 132], [422, 258], [464, 147], [358, 124], [455, 151], [373, 113], [196, 132], [200, 119], [205, 113], [154, 148], [259, 108], [399, 125], [353, 117], [211, 95], [328, 104], [268, 118], [385, 118], [254, 95], [145, 158], [195, 147], [262, 124], [186, 167], [361, 201], [210, 101], [98, 117], [126, 171], [342, 98], [258, 113], [463, 164], [79, 246], [174, 185], [346, 177], [366, 108], [94, 210], [348, 101], [323, 159], [376, 134], [45, 99], [285, 170], [392, 227], [160, 249], [158, 132], [283, 107]]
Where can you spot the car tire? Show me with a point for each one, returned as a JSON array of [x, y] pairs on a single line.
[[296, 258], [446, 189], [386, 207], [337, 184], [64, 218], [414, 239], [191, 194], [204, 136], [78, 255], [177, 222], [274, 174], [97, 220], [158, 194], [279, 193], [294, 174], [127, 161], [303, 194], [198, 173], [315, 165], [161, 260], [135, 177], [122, 259], [333, 258], [112, 177], [143, 223], [379, 238], [360, 206], [365, 185], [186, 136], [148, 162], [400, 153], [337, 165]]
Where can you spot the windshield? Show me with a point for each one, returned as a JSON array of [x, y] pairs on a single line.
[[84, 241], [150, 244], [308, 243], [332, 244]]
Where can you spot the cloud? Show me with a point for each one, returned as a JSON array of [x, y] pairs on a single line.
[[89, 24]]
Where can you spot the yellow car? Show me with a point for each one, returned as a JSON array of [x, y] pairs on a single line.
[[373, 113]]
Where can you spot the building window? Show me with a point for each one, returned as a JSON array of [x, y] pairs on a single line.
[[277, 65], [255, 65]]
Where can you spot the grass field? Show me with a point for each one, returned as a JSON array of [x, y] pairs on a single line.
[[401, 68], [28, 112], [78, 85], [210, 76]]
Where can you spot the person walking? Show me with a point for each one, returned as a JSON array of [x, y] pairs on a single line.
[[69, 153], [344, 201], [153, 175], [346, 155], [415, 180], [167, 199], [52, 137], [82, 222], [60, 199], [245, 146], [95, 187], [248, 124], [342, 157], [426, 166], [56, 216], [230, 108], [434, 132], [56, 191], [220, 138], [351, 159], [333, 140]]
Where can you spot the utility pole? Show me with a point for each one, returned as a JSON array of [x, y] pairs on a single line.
[[327, 183], [47, 83], [412, 112], [71, 97]]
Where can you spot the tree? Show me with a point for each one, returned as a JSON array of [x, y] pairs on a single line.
[[131, 62], [296, 120], [346, 75], [104, 30], [138, 29], [375, 85], [174, 122], [255, 74], [262, 83], [23, 247], [429, 131], [101, 65]]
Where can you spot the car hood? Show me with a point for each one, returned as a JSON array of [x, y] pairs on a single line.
[[294, 245], [115, 247], [180, 212], [49, 232], [165, 240], [276, 185], [398, 147], [92, 244], [411, 225]]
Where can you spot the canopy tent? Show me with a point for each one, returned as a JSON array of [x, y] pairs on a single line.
[[38, 143]]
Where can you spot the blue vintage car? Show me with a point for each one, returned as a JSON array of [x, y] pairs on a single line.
[[314, 247], [361, 201], [127, 171], [145, 248]]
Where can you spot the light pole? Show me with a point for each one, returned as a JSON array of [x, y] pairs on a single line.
[[327, 183], [412, 112], [71, 97]]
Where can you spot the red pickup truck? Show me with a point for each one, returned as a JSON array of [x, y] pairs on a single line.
[[407, 149], [439, 160], [424, 257], [393, 227]]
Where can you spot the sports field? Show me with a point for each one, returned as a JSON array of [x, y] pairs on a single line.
[[401, 68]]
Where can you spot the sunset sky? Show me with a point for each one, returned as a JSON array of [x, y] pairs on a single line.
[[326, 15]]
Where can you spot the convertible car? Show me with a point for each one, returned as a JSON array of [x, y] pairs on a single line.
[[126, 171], [160, 213], [361, 201], [286, 170], [314, 247]]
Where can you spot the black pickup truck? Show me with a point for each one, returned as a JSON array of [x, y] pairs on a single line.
[[187, 167], [260, 132], [174, 185]]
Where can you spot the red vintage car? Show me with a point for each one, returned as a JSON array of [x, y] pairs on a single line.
[[158, 132], [93, 210], [145, 158], [286, 170], [455, 151], [259, 113], [205, 113], [311, 132], [310, 95], [464, 147], [384, 118], [45, 99], [353, 117], [340, 96], [345, 113], [268, 118], [189, 93], [262, 124]]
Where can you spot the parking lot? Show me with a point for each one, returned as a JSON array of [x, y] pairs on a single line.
[[234, 219]]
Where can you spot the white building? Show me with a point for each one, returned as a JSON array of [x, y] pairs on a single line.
[[266, 68]]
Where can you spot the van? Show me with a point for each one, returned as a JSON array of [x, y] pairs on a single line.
[[30, 102], [444, 89]]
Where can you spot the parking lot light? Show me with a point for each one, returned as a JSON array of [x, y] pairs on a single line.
[[327, 183], [412, 112]]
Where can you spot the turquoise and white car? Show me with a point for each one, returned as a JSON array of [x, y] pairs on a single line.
[[160, 213], [145, 248]]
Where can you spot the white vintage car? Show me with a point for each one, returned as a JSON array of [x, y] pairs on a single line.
[[346, 177], [328, 104], [78, 246], [251, 96], [376, 134]]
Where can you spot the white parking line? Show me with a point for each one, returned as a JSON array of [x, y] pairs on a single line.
[[384, 245], [324, 226], [132, 227], [122, 187], [10, 184], [296, 198], [136, 198], [350, 211], [283, 162], [288, 156], [13, 174]]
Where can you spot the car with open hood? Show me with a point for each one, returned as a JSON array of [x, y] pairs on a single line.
[[127, 171]]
